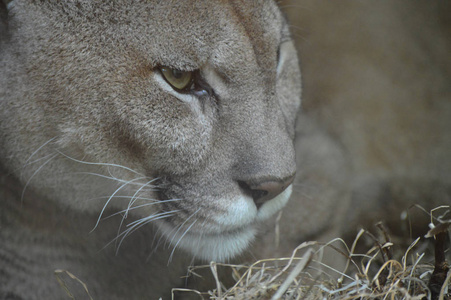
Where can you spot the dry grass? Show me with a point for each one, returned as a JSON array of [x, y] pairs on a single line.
[[377, 274], [59, 274]]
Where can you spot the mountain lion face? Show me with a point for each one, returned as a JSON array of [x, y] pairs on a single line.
[[180, 114]]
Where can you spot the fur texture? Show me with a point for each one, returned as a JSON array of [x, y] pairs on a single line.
[[372, 140], [92, 129]]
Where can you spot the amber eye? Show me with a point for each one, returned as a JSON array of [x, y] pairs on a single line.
[[179, 80]]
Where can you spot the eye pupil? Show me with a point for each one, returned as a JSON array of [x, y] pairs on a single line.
[[177, 73], [180, 80]]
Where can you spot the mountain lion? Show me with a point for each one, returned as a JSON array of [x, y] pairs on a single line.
[[154, 125]]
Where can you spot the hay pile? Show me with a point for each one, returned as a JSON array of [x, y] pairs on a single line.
[[378, 274]]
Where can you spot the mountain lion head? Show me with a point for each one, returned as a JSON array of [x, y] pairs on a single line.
[[179, 114]]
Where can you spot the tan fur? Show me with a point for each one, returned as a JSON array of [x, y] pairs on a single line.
[[372, 140], [90, 129], [374, 137]]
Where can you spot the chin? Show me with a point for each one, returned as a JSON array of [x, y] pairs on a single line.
[[218, 247], [226, 235]]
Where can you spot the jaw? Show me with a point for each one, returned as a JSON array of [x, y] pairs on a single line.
[[225, 235], [210, 247]]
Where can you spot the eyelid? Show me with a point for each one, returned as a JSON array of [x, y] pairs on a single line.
[[166, 73], [197, 86]]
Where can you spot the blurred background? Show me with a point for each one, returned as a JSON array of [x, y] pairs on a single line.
[[374, 136]]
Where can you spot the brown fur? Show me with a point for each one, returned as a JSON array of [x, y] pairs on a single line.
[[85, 115], [372, 140], [374, 137]]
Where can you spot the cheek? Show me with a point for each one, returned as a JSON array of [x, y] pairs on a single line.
[[164, 133], [178, 147], [289, 87]]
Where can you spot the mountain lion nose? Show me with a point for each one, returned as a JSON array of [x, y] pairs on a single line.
[[266, 190]]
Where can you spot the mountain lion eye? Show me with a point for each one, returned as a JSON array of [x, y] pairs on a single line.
[[179, 80]]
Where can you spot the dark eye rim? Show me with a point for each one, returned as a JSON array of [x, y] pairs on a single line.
[[197, 85]]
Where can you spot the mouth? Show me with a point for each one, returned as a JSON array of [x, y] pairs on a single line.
[[218, 247], [216, 233]]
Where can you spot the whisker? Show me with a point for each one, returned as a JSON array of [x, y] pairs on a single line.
[[132, 201], [111, 197], [201, 232], [140, 223], [151, 217], [134, 197], [35, 172], [130, 204], [178, 229], [127, 209], [108, 177], [162, 235], [146, 220], [129, 197], [180, 226], [100, 164], [142, 205], [180, 239], [37, 160], [37, 150]]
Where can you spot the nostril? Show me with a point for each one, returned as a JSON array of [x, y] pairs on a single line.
[[256, 194], [266, 190], [245, 188], [260, 197]]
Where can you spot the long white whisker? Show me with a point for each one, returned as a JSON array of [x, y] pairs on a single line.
[[35, 172], [107, 177], [140, 198], [134, 197], [37, 150], [160, 240], [37, 160], [180, 239], [201, 232], [181, 225], [151, 217], [143, 220], [140, 223], [111, 197], [139, 206], [153, 247], [130, 204], [152, 202], [99, 164]]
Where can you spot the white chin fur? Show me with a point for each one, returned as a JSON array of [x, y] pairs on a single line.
[[223, 246], [239, 214], [219, 248]]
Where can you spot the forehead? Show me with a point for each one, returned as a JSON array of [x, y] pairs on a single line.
[[261, 22], [181, 34], [201, 28]]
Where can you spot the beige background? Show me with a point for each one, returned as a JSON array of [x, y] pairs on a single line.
[[375, 136]]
